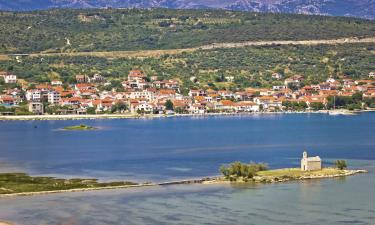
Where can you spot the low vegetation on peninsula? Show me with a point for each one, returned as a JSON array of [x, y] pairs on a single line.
[[13, 183], [80, 127]]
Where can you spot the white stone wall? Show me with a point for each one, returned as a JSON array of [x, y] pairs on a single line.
[[312, 165]]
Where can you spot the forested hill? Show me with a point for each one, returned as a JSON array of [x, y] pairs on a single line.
[[138, 29]]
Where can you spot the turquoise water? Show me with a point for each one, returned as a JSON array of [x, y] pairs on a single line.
[[176, 148]]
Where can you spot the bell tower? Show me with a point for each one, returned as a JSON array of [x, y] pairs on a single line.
[[304, 161], [305, 155]]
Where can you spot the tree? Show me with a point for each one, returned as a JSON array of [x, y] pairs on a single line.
[[225, 171], [302, 105], [293, 86], [246, 171], [119, 107], [317, 106], [91, 110], [65, 86], [169, 105], [357, 97], [341, 164], [286, 104]]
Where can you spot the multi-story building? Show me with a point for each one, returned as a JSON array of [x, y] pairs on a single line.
[[36, 108], [33, 95], [54, 97]]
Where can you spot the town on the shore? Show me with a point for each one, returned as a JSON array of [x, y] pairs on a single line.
[[141, 93]]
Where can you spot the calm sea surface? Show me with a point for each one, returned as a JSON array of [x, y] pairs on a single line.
[[179, 148]]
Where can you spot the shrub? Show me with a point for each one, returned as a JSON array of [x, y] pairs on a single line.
[[341, 164], [238, 169]]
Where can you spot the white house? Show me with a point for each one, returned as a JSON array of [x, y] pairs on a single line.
[[33, 95], [277, 76], [97, 78], [247, 106], [279, 87], [9, 78], [224, 94], [196, 109], [331, 80], [193, 93], [145, 94], [268, 102], [56, 82], [142, 107]]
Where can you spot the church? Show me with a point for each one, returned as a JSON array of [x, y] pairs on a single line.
[[310, 163]]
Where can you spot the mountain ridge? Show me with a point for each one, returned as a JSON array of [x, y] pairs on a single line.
[[351, 8]]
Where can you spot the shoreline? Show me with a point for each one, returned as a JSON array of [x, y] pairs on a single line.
[[74, 190], [153, 116], [261, 179], [204, 181]]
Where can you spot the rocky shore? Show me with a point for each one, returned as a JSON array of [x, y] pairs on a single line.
[[149, 116], [269, 177], [73, 190]]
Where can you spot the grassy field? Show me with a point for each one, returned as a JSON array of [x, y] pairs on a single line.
[[297, 173], [12, 183]]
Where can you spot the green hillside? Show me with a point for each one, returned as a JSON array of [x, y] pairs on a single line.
[[250, 66], [137, 29]]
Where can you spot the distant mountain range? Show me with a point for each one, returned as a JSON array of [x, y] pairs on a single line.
[[353, 8]]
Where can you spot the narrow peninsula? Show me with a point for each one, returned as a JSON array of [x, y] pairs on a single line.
[[21, 184], [18, 184], [311, 168], [283, 175]]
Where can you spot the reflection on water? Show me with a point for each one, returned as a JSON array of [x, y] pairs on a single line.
[[169, 149], [337, 201], [179, 148]]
